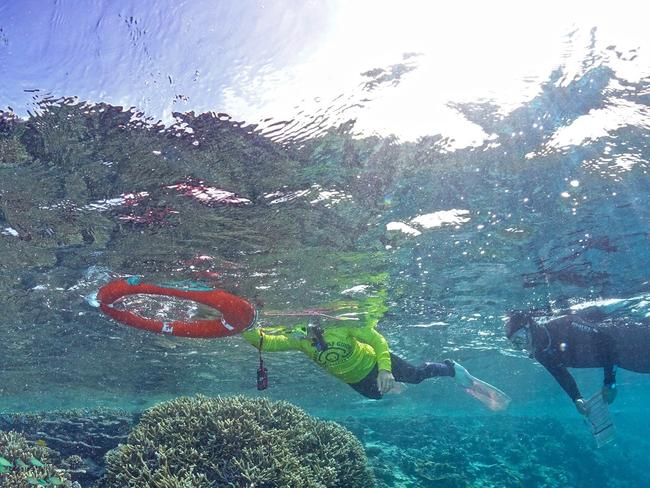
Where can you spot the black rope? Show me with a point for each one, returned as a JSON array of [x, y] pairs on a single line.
[[262, 372]]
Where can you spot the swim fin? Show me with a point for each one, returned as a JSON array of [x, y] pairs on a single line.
[[599, 419], [488, 395]]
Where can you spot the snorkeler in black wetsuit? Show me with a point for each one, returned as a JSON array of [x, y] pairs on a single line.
[[571, 342]]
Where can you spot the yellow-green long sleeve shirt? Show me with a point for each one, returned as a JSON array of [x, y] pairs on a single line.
[[351, 352]]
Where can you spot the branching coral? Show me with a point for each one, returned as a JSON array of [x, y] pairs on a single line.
[[234, 442], [24, 465]]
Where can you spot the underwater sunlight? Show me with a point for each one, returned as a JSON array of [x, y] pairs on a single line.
[[325, 244]]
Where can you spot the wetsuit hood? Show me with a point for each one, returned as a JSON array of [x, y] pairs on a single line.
[[516, 321]]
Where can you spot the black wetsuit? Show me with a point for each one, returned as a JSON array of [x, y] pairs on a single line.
[[404, 372], [570, 342]]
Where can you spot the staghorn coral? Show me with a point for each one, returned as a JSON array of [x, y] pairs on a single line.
[[32, 464], [235, 442]]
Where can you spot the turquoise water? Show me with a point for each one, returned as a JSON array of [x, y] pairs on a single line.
[[462, 179]]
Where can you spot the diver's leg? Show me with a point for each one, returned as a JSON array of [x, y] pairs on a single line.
[[405, 372], [368, 386]]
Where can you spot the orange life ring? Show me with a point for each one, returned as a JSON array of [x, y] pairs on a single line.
[[237, 314]]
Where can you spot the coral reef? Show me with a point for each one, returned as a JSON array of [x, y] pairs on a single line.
[[83, 432], [236, 441], [404, 452], [23, 465], [464, 452], [83, 435]]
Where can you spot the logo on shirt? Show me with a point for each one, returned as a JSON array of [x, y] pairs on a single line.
[[335, 353], [584, 327]]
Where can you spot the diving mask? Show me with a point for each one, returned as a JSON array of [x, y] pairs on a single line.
[[521, 339]]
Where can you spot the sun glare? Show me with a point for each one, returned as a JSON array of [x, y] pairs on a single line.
[[499, 52]]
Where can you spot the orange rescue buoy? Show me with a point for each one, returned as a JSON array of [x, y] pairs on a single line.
[[237, 314]]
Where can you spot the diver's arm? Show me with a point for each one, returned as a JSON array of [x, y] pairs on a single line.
[[608, 354], [609, 383], [385, 378], [370, 336], [609, 375], [568, 384], [565, 379], [272, 342]]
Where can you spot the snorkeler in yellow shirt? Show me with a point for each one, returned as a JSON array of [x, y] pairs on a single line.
[[358, 356]]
